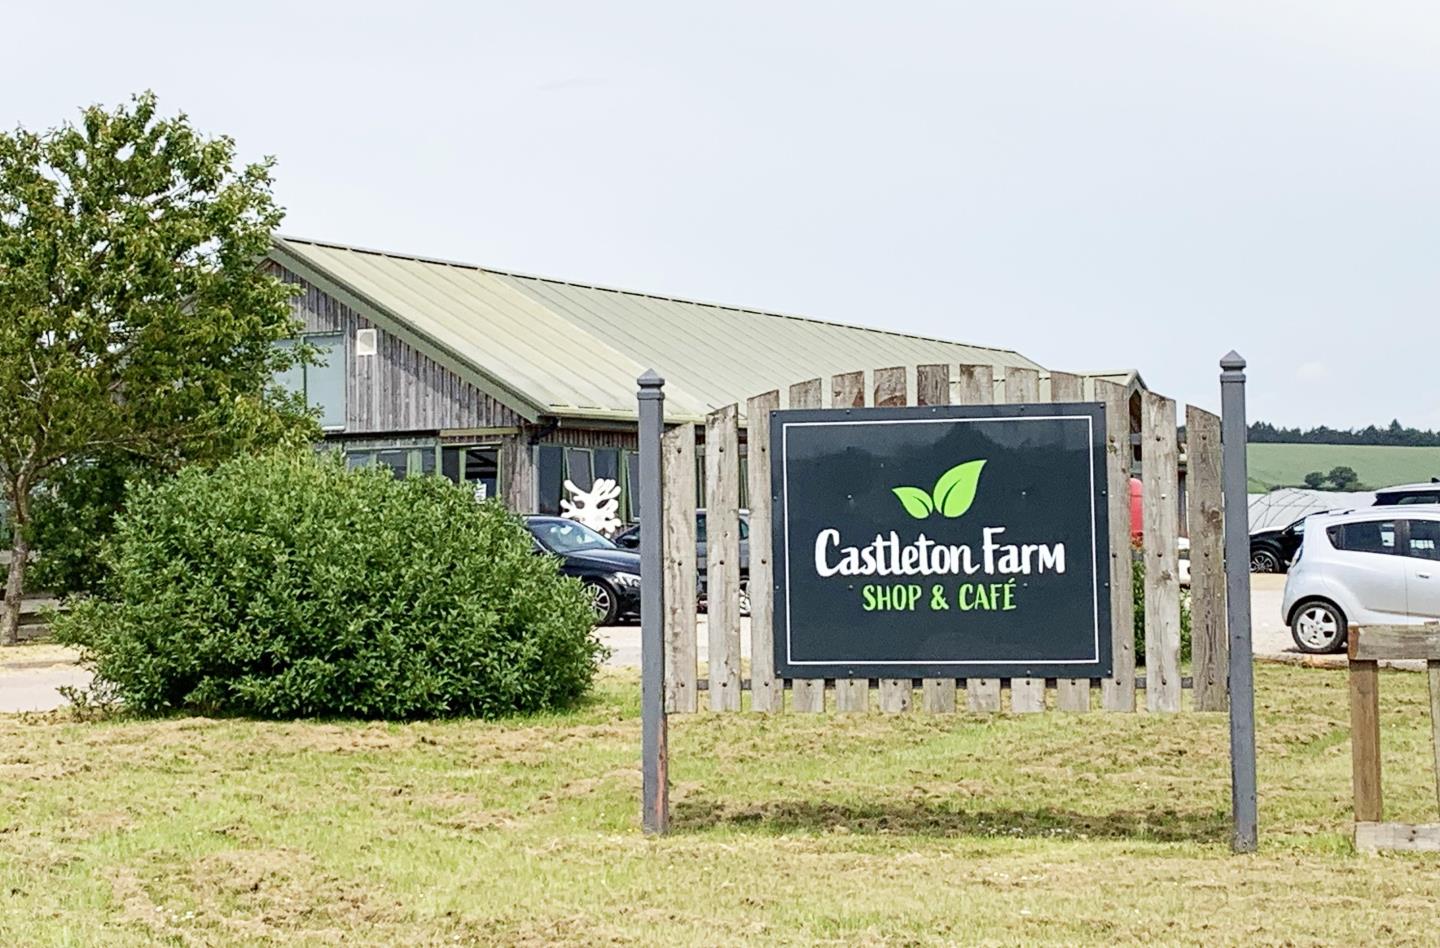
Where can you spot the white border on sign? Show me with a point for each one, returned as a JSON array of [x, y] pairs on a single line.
[[1094, 543]]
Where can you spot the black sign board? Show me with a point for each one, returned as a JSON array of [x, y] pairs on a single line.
[[941, 542]]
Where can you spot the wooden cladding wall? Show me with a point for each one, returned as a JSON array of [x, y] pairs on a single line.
[[592, 438], [725, 676], [398, 388]]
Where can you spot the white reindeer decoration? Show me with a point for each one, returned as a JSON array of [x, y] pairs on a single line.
[[596, 508]]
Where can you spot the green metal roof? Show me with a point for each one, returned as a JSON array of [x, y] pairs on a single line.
[[548, 347]]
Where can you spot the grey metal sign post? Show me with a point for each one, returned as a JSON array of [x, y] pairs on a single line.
[[655, 751], [1234, 477]]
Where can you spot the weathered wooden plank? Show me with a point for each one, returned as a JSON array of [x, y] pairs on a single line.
[[932, 384], [1399, 837], [1159, 466], [1117, 693], [848, 391], [807, 694], [1022, 386], [405, 393], [380, 378], [356, 386], [677, 447], [517, 467], [932, 387], [1071, 694], [1365, 740], [1210, 645], [1432, 669], [975, 385], [722, 555], [1395, 642], [890, 388], [767, 693], [896, 694]]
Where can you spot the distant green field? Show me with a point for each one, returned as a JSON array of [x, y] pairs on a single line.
[[1285, 465]]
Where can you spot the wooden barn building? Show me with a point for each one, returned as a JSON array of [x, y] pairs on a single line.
[[516, 383]]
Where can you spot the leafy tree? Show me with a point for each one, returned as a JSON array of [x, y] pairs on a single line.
[[1344, 478], [1315, 480], [136, 327]]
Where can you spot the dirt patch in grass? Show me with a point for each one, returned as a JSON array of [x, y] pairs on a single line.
[[921, 815], [38, 653]]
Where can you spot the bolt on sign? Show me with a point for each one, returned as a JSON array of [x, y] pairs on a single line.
[[941, 542]]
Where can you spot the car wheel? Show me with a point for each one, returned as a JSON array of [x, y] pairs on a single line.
[[1318, 627], [603, 600], [1264, 561]]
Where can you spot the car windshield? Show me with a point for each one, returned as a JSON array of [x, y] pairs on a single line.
[[568, 536]]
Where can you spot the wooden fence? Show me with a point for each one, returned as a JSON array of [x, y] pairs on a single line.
[[1368, 647], [726, 677]]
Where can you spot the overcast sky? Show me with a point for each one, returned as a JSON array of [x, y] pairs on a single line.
[[1097, 184]]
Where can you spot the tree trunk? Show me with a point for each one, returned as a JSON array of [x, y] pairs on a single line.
[[15, 580]]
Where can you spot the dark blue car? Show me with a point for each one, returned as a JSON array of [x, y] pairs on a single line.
[[610, 574]]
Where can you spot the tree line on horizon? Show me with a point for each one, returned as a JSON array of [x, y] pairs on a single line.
[[1393, 434]]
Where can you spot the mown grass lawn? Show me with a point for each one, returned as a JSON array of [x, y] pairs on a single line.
[[795, 829]]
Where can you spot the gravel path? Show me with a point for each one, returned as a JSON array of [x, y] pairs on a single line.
[[38, 688]]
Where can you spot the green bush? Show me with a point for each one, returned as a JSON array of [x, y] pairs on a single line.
[[287, 586], [1137, 589]]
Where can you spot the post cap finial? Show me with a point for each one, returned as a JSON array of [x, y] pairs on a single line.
[[1232, 361], [650, 379]]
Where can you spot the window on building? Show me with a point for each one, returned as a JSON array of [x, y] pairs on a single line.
[[323, 384], [578, 468], [630, 505], [477, 465], [401, 461], [549, 478], [398, 461], [607, 464], [556, 464]]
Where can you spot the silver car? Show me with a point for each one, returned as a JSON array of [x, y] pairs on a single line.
[[1374, 566]]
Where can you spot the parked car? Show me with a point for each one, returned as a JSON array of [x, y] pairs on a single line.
[[611, 575], [1406, 494], [629, 539], [1363, 567], [1272, 550]]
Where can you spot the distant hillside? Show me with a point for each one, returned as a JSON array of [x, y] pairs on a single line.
[[1285, 465]]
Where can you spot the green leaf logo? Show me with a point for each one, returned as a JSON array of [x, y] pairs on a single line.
[[917, 502], [955, 490], [953, 495]]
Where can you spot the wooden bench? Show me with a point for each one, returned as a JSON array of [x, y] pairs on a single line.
[[1368, 646]]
